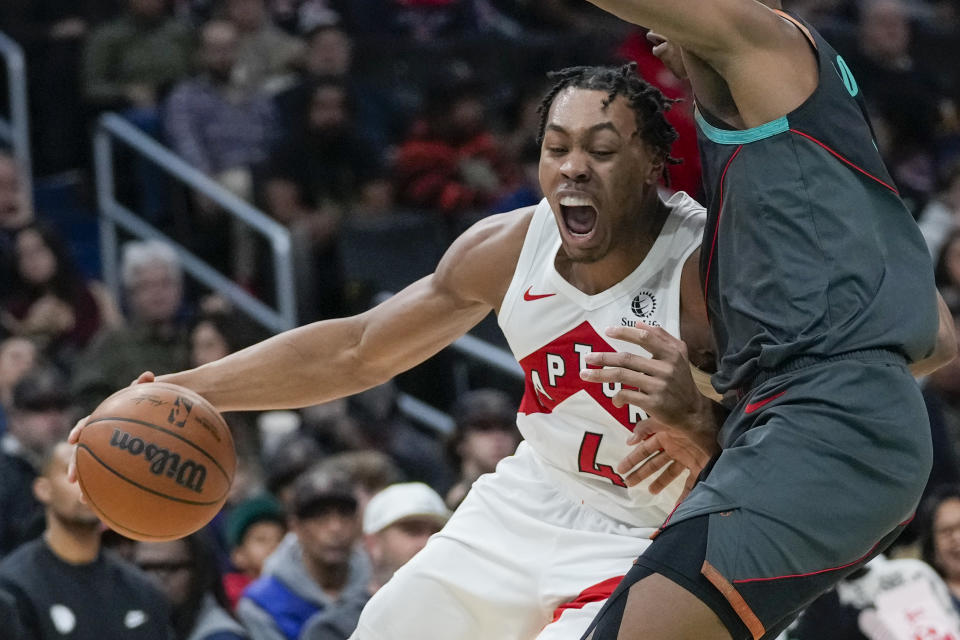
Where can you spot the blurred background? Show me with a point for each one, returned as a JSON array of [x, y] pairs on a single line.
[[182, 178]]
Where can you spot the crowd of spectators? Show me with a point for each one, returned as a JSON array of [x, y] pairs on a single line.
[[329, 115]]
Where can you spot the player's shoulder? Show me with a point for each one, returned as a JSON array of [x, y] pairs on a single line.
[[482, 260], [498, 227], [686, 207]]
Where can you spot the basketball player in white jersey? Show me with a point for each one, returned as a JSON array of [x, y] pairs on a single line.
[[601, 264]]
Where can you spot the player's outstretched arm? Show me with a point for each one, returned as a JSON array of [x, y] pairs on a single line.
[[711, 28], [334, 358], [751, 65], [946, 347]]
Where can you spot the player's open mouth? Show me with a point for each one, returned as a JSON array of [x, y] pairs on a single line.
[[579, 215]]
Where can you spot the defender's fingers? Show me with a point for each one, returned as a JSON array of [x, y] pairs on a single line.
[[644, 429], [628, 378], [669, 474], [639, 454], [661, 49], [655, 340], [655, 38], [626, 360], [647, 469]]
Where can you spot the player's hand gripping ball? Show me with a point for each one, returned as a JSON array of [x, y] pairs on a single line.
[[155, 461]]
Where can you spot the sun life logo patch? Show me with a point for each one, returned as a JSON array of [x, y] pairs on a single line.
[[644, 304]]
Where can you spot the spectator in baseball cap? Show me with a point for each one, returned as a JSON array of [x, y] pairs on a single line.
[[396, 524], [316, 567]]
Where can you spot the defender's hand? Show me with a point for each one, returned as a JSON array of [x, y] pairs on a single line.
[[661, 385], [660, 447], [668, 53]]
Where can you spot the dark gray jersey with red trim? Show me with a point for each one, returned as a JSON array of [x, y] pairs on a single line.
[[809, 250]]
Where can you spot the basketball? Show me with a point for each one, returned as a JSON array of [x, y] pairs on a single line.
[[155, 461]]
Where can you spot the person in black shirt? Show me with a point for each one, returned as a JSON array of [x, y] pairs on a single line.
[[64, 585], [323, 174]]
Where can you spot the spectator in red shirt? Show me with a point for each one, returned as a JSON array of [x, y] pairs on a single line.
[[451, 163], [254, 527], [686, 175]]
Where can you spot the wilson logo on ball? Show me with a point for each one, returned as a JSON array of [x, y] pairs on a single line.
[[186, 473]]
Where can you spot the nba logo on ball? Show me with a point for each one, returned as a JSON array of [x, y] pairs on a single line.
[[155, 461]]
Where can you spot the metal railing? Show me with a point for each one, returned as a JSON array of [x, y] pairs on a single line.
[[111, 128], [473, 349], [476, 350], [15, 130]]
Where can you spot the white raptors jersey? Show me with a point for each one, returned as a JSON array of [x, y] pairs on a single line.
[[550, 325]]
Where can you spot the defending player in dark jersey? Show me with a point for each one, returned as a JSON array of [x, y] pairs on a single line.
[[821, 299]]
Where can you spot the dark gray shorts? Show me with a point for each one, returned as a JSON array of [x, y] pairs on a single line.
[[824, 463]]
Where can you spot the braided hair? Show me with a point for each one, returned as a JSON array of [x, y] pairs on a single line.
[[648, 103]]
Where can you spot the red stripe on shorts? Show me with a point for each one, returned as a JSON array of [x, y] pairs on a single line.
[[595, 593], [811, 573]]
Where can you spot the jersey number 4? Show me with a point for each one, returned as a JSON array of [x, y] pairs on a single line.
[[588, 460]]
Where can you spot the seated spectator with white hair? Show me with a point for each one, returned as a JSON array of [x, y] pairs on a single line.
[[155, 337], [396, 525]]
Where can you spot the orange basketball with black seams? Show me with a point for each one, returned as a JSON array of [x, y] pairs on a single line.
[[156, 461]]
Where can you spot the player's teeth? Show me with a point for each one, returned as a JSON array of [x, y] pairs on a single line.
[[575, 201]]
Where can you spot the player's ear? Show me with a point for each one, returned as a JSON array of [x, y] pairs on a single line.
[[655, 171], [42, 489]]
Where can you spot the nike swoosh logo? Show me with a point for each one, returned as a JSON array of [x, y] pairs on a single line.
[[530, 297], [759, 404]]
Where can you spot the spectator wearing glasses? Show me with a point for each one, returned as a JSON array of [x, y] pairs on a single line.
[[186, 570], [939, 523]]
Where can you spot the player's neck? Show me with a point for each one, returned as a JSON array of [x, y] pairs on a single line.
[[74, 544]]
